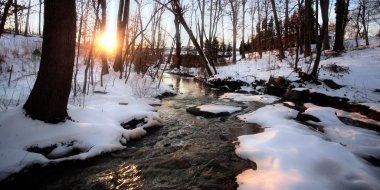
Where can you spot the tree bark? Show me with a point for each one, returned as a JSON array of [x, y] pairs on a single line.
[[243, 29], [279, 36], [363, 4], [324, 8], [39, 17], [4, 16], [325, 16], [341, 10], [286, 25], [49, 96], [27, 21], [16, 18], [178, 60], [123, 16], [103, 24], [234, 18], [307, 30]]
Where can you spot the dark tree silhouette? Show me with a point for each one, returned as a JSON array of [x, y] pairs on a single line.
[[341, 10], [4, 16], [50, 94]]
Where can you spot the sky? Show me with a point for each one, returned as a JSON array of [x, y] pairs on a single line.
[[112, 7]]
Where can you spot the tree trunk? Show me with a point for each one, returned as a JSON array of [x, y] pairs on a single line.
[[341, 10], [357, 27], [325, 16], [49, 96], [242, 32], [27, 21], [178, 60], [122, 23], [307, 30], [4, 16], [279, 36], [234, 28], [39, 17], [16, 18], [103, 24], [324, 9], [286, 25], [365, 29]]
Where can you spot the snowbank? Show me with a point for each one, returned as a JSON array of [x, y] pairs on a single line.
[[290, 156], [96, 117]]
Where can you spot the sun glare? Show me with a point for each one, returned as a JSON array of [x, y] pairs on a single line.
[[107, 42]]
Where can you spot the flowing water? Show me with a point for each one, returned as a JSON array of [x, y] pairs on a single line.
[[188, 152]]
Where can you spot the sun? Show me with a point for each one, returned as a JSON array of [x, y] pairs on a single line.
[[107, 42]]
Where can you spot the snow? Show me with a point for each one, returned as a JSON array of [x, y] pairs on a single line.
[[214, 108], [95, 127], [290, 156], [362, 142], [266, 99], [363, 65]]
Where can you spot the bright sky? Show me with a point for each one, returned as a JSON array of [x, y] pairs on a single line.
[[112, 7]]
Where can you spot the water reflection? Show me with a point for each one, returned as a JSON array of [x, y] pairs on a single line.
[[188, 87], [126, 177]]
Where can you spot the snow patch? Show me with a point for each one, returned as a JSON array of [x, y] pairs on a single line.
[[266, 99], [213, 108]]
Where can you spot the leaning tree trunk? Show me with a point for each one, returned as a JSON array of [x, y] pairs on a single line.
[[324, 10], [50, 94], [4, 16]]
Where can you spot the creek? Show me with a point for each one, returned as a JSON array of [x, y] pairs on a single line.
[[187, 152]]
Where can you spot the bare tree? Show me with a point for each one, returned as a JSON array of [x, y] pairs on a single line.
[[307, 29], [178, 60], [325, 16], [286, 24], [122, 24], [83, 6], [341, 10], [103, 24], [4, 16], [27, 21], [49, 96], [279, 36], [363, 6], [210, 67], [39, 17], [324, 8], [201, 27], [234, 19], [16, 17], [243, 3]]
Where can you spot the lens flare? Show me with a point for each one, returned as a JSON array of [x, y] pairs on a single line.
[[107, 42]]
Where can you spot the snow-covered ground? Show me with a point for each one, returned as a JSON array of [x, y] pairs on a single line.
[[359, 84], [96, 118], [289, 155]]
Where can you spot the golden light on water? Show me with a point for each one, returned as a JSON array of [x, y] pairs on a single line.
[[107, 42]]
